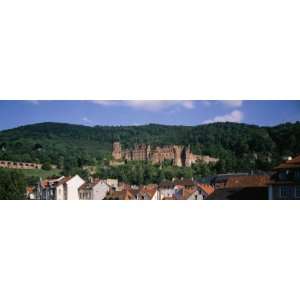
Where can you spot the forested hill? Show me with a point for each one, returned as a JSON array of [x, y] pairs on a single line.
[[237, 144]]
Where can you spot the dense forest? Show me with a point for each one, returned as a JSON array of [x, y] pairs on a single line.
[[240, 147]]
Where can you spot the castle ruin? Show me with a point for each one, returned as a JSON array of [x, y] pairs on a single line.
[[181, 156]]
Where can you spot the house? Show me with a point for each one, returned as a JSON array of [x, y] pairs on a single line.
[[206, 189], [30, 193], [112, 182], [62, 188], [166, 189], [251, 187], [285, 182], [186, 183], [148, 193], [95, 190], [191, 194]]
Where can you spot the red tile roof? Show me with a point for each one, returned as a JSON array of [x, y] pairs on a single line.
[[290, 164], [206, 188], [121, 195], [148, 192], [247, 181]]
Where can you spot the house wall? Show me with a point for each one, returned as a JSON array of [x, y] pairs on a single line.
[[166, 193], [72, 187], [60, 192], [276, 195], [100, 190], [155, 196], [196, 196]]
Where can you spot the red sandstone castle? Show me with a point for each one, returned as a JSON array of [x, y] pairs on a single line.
[[181, 156]]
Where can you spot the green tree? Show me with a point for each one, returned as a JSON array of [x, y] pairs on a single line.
[[12, 185]]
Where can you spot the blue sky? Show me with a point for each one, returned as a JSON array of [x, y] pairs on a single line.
[[91, 113]]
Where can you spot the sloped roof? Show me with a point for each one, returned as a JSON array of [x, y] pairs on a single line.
[[149, 192], [166, 184], [187, 193], [206, 188], [89, 185], [121, 195], [247, 181], [290, 164]]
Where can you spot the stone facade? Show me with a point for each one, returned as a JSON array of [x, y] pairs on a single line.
[[19, 165], [181, 156]]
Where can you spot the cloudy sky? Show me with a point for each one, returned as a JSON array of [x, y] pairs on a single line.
[[17, 113]]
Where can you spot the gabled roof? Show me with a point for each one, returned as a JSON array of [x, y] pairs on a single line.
[[148, 192], [206, 188], [90, 185], [187, 193], [290, 164], [62, 181]]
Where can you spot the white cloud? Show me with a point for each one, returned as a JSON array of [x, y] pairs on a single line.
[[235, 116], [87, 120], [232, 103], [188, 104], [105, 102], [35, 102], [149, 105]]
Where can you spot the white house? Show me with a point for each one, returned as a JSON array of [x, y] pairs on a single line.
[[96, 190], [62, 188], [166, 190]]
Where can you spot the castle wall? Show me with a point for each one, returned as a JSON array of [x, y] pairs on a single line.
[[19, 165], [180, 155]]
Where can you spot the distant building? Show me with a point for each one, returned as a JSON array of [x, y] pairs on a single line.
[[19, 165], [62, 188], [285, 183], [96, 190], [179, 155]]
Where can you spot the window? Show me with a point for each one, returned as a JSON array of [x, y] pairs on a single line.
[[284, 192], [297, 191], [297, 174], [282, 175]]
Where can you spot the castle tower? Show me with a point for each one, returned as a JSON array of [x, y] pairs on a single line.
[[117, 151], [187, 156], [177, 156], [148, 152]]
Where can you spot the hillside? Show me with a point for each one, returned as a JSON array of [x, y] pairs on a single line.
[[238, 145]]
